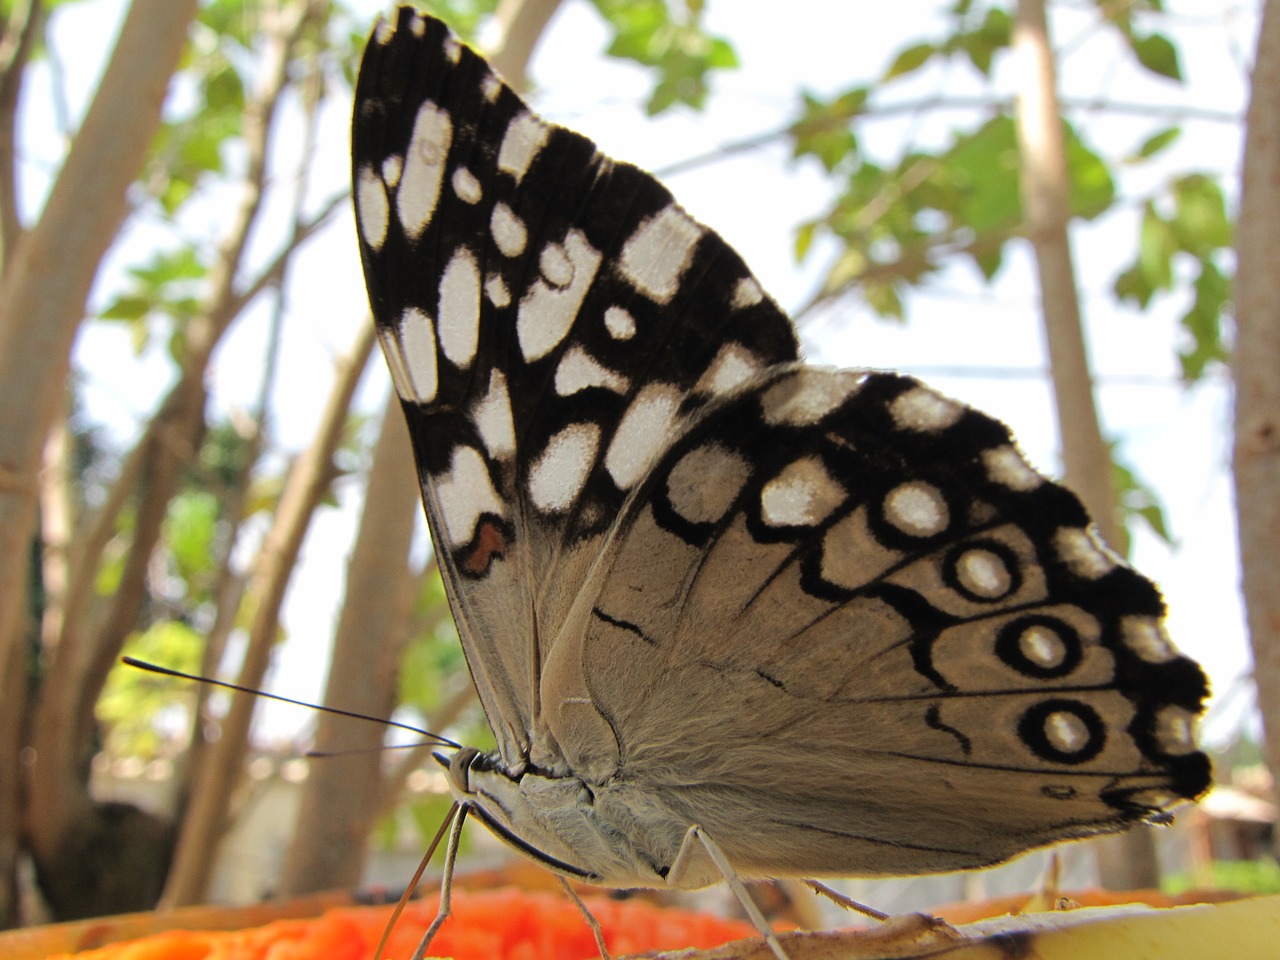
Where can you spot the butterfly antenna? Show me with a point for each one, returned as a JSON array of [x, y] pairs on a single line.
[[330, 754], [170, 672]]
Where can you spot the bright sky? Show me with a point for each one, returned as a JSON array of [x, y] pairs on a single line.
[[959, 333]]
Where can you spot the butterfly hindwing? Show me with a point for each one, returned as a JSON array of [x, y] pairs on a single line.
[[875, 620]]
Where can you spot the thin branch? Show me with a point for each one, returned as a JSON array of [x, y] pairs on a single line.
[[938, 103], [16, 42], [272, 275], [307, 483]]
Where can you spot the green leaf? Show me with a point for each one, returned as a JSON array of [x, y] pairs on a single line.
[[1156, 247], [1138, 500], [190, 528], [682, 52], [823, 129], [910, 60], [1156, 143], [981, 45], [983, 167], [804, 238], [989, 261], [223, 90], [1093, 190], [1200, 220], [883, 297], [1203, 322], [127, 307], [1158, 54], [1133, 285]]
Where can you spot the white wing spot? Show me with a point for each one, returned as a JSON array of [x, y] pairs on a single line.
[[546, 314], [916, 508], [578, 370], [466, 186], [490, 87], [384, 31], [520, 144], [1042, 646], [464, 493], [802, 495], [556, 267], [922, 410], [733, 366], [984, 573], [1083, 553], [495, 288], [558, 475], [1175, 730], [658, 253], [371, 202], [418, 343], [418, 26], [643, 433], [492, 417], [1066, 732], [747, 293], [620, 323], [1147, 638], [424, 163], [1006, 466], [459, 311], [808, 395], [452, 48], [392, 167], [705, 482], [508, 230]]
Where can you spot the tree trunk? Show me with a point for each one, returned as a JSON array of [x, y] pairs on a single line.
[[45, 286], [1127, 862], [342, 792], [1257, 378]]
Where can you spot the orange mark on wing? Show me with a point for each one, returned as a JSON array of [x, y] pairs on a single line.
[[490, 542]]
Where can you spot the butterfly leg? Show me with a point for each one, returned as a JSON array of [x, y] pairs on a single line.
[[840, 900], [592, 922], [446, 884], [698, 835]]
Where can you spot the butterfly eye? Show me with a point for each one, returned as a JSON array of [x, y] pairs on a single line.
[[460, 767]]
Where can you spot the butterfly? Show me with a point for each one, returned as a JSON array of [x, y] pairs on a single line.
[[726, 610]]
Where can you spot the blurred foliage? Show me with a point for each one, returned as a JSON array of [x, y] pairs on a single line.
[[897, 220], [1186, 233], [899, 224], [670, 39], [1255, 877], [138, 710], [1138, 500], [166, 287]]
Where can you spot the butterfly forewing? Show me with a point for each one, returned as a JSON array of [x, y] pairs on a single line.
[[830, 616], [550, 318]]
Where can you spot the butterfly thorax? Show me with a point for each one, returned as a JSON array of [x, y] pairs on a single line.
[[612, 834]]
